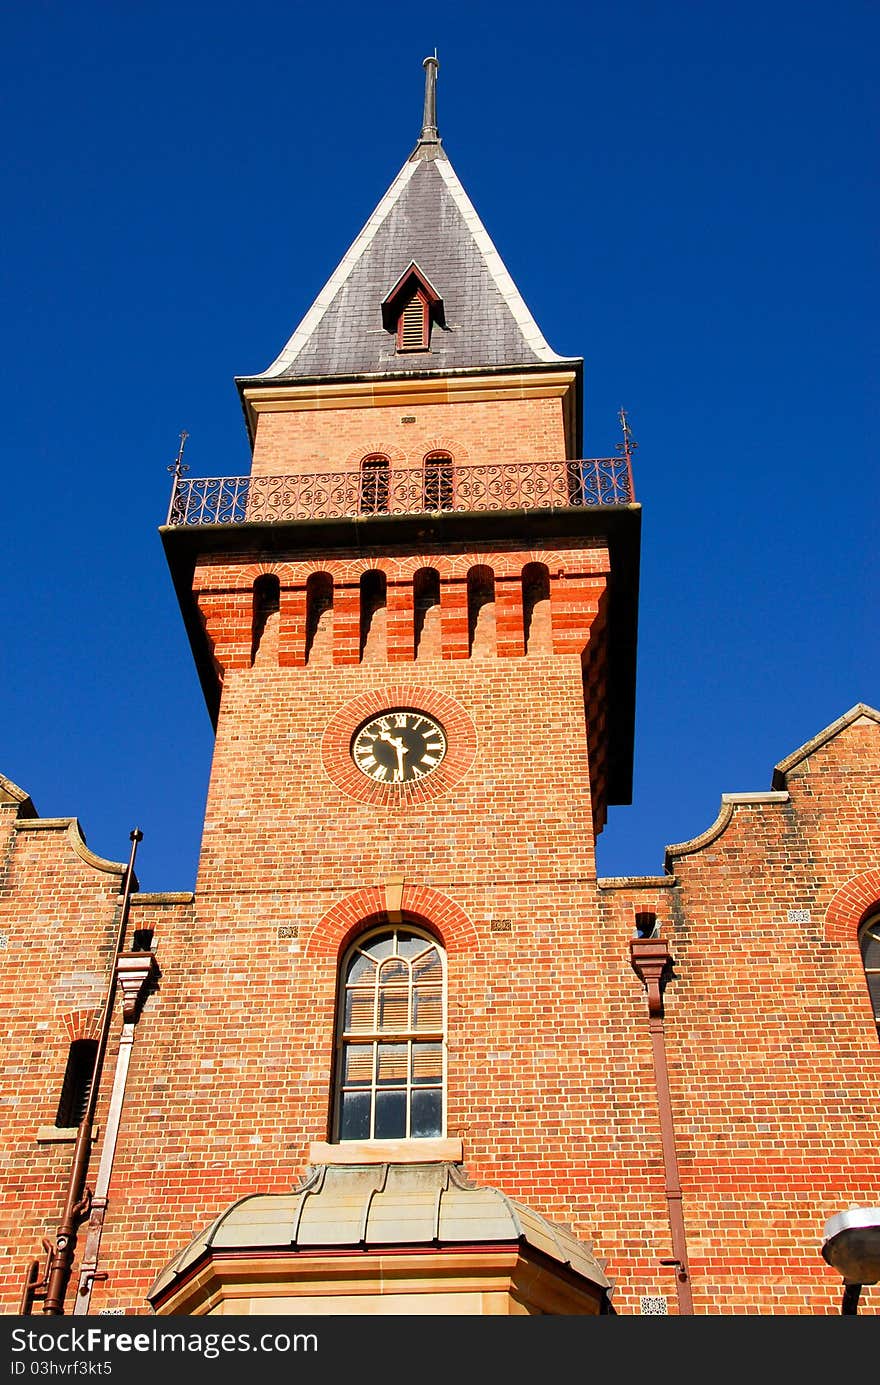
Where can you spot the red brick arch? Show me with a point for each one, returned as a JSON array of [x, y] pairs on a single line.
[[451, 446], [850, 904], [81, 1024], [461, 736], [421, 903], [390, 450]]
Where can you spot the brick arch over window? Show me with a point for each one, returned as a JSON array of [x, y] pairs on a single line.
[[81, 1024], [850, 905], [426, 907]]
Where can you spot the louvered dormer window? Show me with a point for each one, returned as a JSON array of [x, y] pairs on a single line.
[[414, 325], [411, 309]]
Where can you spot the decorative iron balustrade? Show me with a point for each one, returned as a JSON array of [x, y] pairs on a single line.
[[337, 494]]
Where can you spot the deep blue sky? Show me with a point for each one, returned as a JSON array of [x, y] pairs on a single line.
[[685, 194]]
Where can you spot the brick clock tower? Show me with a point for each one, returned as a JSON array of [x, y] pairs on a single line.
[[401, 1052], [414, 623]]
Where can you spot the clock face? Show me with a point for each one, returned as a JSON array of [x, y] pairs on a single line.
[[398, 746]]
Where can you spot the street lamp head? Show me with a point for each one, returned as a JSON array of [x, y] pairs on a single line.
[[851, 1243]]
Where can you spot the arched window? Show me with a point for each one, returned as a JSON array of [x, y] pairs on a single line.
[[374, 485], [481, 610], [319, 618], [373, 620], [267, 603], [438, 485], [426, 611], [536, 608], [869, 942], [391, 1034], [77, 1083]]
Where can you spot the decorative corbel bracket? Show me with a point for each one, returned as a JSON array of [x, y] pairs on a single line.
[[137, 973], [651, 960]]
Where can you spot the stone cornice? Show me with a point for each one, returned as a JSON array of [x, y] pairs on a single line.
[[444, 389]]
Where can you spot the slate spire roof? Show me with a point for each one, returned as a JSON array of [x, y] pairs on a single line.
[[424, 218]]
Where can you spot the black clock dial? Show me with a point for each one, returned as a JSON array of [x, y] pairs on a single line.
[[398, 746]]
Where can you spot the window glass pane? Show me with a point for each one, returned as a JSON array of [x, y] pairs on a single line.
[[427, 1063], [359, 1012], [409, 946], [428, 968], [355, 1119], [358, 1065], [393, 1008], [874, 991], [395, 969], [380, 947], [427, 1008], [871, 945], [391, 1067], [390, 1115], [426, 1114], [361, 969]]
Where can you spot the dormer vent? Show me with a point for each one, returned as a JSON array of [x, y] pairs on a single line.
[[413, 325], [411, 308]]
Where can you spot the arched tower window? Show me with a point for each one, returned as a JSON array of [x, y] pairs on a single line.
[[319, 618], [374, 481], [536, 608], [374, 601], [869, 942], [438, 481], [267, 604], [481, 610], [391, 1034], [426, 610]]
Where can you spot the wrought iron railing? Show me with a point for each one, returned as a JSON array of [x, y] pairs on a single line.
[[337, 494]]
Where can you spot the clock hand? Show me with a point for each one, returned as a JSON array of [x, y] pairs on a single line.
[[397, 742]]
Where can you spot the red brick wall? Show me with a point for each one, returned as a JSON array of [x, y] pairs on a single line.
[[771, 1042], [772, 1046], [574, 622], [58, 920], [473, 432]]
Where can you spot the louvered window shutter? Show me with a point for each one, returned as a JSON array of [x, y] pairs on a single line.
[[413, 328], [391, 1054]]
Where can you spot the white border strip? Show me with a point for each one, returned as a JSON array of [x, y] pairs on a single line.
[[496, 266], [305, 329]]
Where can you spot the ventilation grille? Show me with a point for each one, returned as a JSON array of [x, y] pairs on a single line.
[[77, 1083], [412, 326], [650, 1304]]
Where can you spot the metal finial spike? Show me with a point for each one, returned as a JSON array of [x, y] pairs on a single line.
[[429, 119], [177, 466], [629, 444]]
